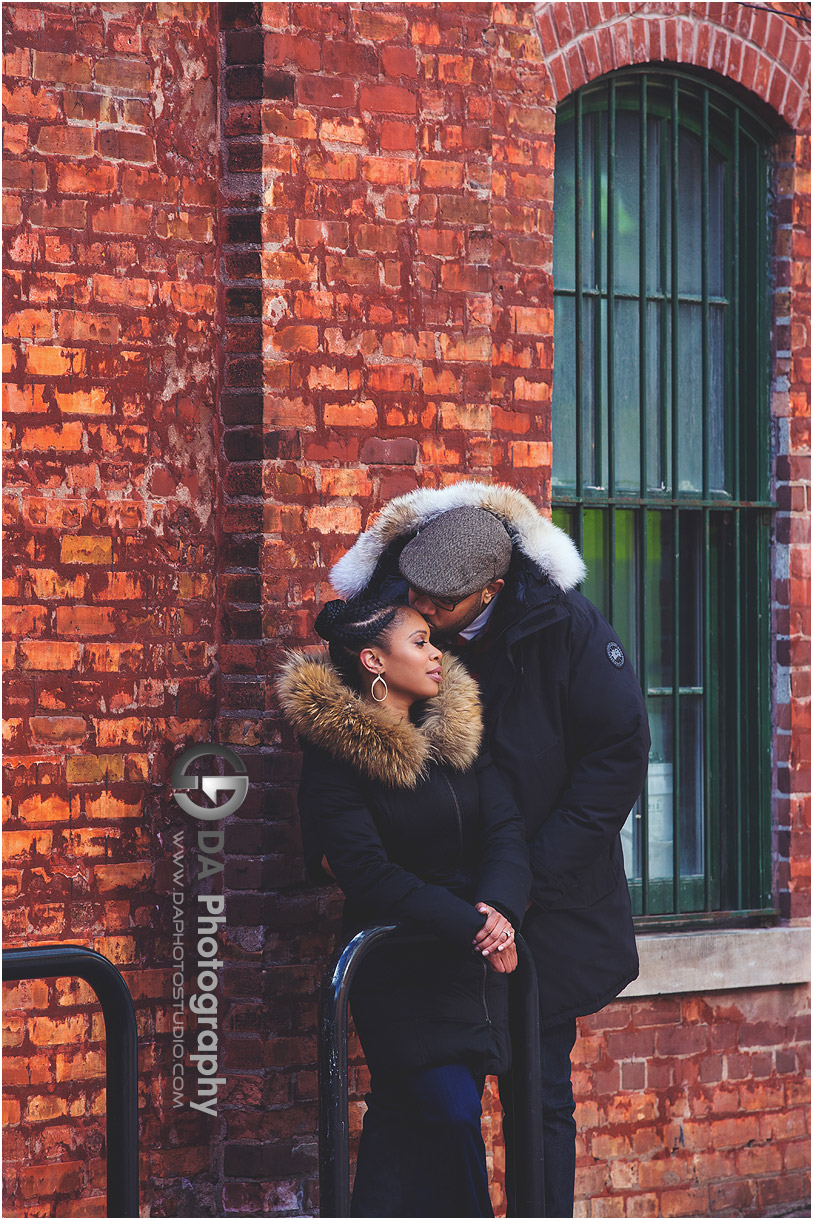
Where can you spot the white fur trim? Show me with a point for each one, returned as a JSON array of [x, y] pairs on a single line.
[[549, 547]]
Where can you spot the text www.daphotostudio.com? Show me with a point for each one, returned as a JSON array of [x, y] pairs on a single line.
[[210, 913]]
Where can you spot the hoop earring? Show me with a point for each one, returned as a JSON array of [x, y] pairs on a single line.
[[378, 678]]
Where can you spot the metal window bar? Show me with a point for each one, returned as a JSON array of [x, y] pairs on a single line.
[[658, 502], [334, 1126], [705, 537], [663, 318], [762, 527], [763, 711], [643, 441], [684, 298], [675, 405], [706, 704], [612, 227], [735, 309], [121, 1059], [747, 532], [579, 151], [598, 264]]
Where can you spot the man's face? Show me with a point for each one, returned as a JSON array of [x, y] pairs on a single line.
[[444, 622]]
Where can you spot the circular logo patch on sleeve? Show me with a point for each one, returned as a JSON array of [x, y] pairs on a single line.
[[616, 654]]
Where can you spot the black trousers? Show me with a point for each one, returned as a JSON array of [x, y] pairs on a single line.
[[421, 1151], [558, 1124]]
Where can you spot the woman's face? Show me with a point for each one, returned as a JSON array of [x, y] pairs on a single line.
[[409, 662]]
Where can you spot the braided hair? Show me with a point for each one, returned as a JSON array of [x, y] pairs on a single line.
[[349, 627]]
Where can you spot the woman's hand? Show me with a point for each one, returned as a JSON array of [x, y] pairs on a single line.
[[505, 962], [496, 932]]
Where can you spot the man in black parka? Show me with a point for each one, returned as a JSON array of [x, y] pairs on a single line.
[[566, 725]]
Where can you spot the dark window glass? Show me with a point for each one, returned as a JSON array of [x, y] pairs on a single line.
[[660, 456]]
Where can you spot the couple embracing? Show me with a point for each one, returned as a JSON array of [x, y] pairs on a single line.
[[473, 745]]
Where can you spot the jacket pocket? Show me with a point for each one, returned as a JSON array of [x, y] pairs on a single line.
[[595, 883]]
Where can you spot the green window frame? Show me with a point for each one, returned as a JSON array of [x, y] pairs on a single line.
[[661, 459]]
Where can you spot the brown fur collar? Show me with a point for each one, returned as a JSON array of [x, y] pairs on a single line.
[[328, 714]]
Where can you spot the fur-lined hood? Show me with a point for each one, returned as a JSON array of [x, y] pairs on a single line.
[[328, 714], [534, 535]]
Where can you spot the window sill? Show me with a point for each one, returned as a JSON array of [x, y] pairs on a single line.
[[716, 960]]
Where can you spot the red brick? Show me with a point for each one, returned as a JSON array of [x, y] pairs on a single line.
[[66, 141], [116, 145], [397, 136], [46, 1180], [734, 1132], [68, 214], [399, 61], [73, 327], [126, 74], [530, 453], [281, 49], [32, 103], [84, 620], [360, 414], [122, 218], [380, 452], [28, 324], [335, 519], [67, 69], [335, 92], [381, 26], [682, 1040], [790, 1124], [85, 180], [64, 438], [761, 1033], [25, 175], [388, 99], [789, 1188], [332, 166]]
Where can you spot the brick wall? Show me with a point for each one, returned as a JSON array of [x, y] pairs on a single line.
[[370, 195], [790, 405], [387, 248], [109, 511], [405, 243], [694, 1105]]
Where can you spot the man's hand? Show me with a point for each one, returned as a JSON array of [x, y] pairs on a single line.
[[505, 962], [495, 934]]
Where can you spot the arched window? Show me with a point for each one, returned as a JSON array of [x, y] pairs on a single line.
[[661, 456]]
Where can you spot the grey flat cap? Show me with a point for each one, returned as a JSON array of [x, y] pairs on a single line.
[[457, 553]]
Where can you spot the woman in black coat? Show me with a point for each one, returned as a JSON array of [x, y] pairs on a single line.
[[400, 805]]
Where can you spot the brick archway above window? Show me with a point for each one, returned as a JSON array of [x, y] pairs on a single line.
[[766, 52]]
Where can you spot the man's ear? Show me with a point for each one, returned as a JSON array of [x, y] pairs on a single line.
[[371, 660], [491, 591]]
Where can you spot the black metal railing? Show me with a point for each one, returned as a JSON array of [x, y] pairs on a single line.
[[53, 961], [334, 1131]]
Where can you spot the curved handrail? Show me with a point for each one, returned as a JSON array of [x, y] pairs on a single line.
[[121, 1058], [334, 1129]]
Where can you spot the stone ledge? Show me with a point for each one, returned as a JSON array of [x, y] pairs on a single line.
[[692, 962]]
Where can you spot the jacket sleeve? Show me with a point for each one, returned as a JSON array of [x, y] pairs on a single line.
[[607, 737], [341, 827], [504, 880]]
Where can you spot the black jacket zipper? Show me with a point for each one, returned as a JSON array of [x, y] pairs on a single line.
[[460, 833], [456, 809]]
